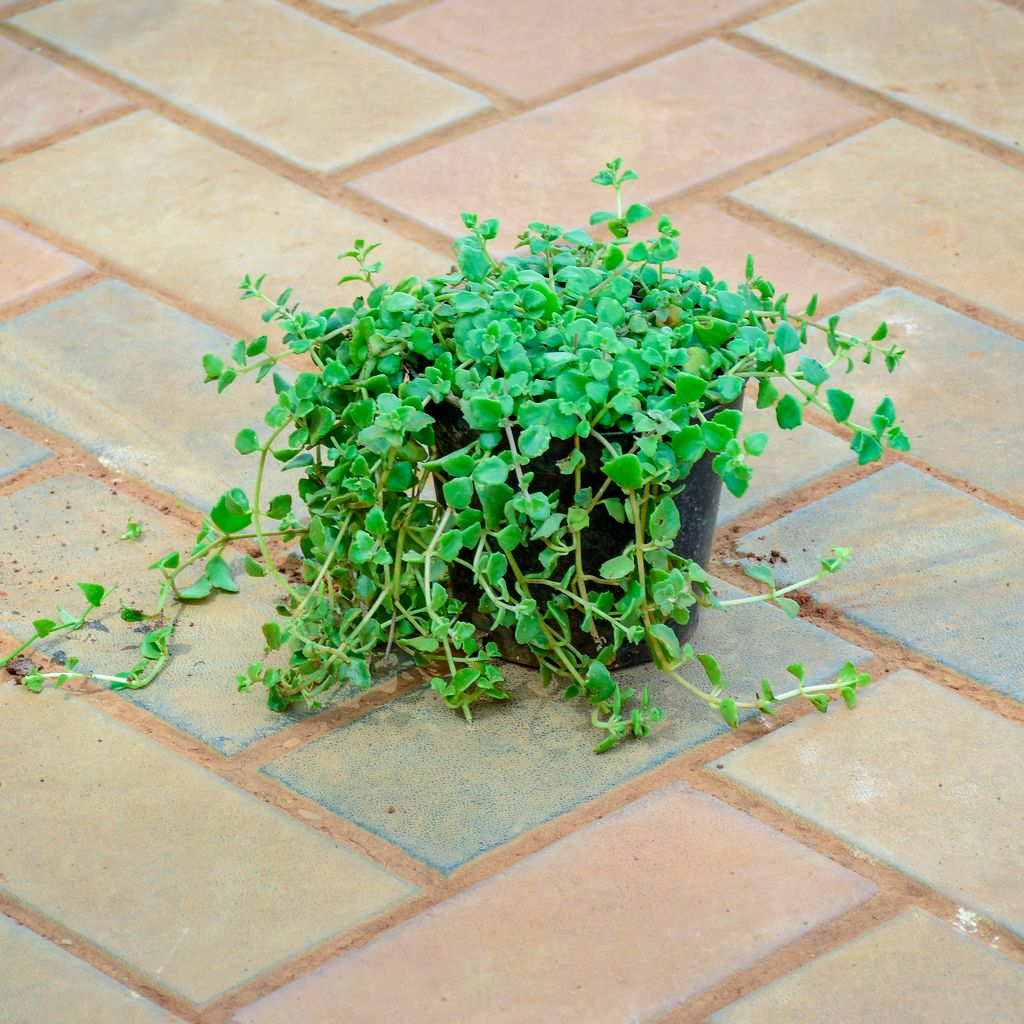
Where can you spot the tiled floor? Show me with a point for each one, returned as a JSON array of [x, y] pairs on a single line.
[[185, 855]]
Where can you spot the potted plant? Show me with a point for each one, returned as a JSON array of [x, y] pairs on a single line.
[[521, 458]]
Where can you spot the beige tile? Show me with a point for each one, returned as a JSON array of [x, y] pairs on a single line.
[[933, 209], [190, 881], [276, 76], [67, 529], [614, 924], [916, 776], [44, 984], [912, 970], [190, 218], [354, 7], [678, 121], [547, 47], [713, 239], [957, 59], [38, 97], [28, 264]]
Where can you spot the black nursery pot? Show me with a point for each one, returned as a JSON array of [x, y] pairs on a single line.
[[605, 538]]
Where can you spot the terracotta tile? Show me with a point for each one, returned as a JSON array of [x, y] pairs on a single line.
[[548, 47], [28, 264], [952, 389], [67, 529], [411, 754], [190, 881], [662, 890], [933, 568], [18, 453], [916, 776], [722, 243], [191, 218], [793, 459], [43, 982], [656, 116], [38, 97], [281, 79], [955, 979], [903, 50], [930, 208]]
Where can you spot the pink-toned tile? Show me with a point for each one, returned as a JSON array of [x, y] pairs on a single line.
[[549, 46], [28, 265], [38, 97], [678, 121], [613, 925]]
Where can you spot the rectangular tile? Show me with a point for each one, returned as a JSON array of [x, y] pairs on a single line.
[[39, 98], [538, 166], [903, 50], [67, 529], [953, 388], [279, 78], [952, 979], [190, 881], [410, 754], [191, 218], [930, 208], [932, 567], [129, 387], [18, 453], [44, 984], [916, 776], [28, 264], [662, 904], [528, 57]]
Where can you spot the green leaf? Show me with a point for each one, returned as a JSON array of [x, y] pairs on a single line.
[[761, 573], [492, 470], [819, 700], [626, 471], [272, 634], [279, 506], [534, 441], [614, 257], [44, 627], [664, 520], [213, 367], [814, 373], [232, 514], [219, 575], [616, 568], [253, 568], [867, 447], [789, 606], [689, 387], [788, 413], [376, 521], [246, 441], [666, 640], [786, 337], [841, 404], [727, 709], [637, 212], [473, 261], [755, 444], [200, 589], [713, 669], [849, 694], [94, 593], [483, 413], [169, 561], [458, 493]]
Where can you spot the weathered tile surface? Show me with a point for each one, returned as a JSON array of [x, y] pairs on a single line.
[[933, 568], [931, 208], [758, 110], [121, 373], [184, 877], [916, 776], [190, 218], [38, 97], [955, 388], [902, 50], [279, 78], [545, 47], [913, 970], [713, 239], [18, 453], [64, 530], [40, 983], [660, 893], [792, 459], [531, 756], [28, 264]]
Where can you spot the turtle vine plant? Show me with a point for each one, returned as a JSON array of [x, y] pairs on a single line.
[[593, 353]]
